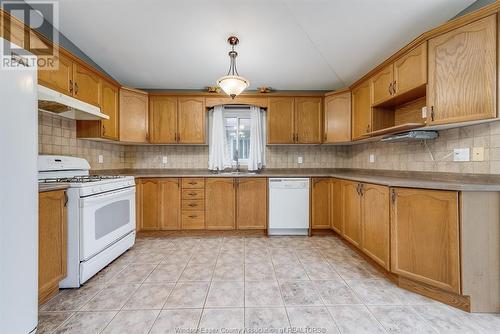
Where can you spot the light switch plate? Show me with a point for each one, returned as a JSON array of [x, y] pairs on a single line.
[[100, 158], [478, 154], [461, 154], [372, 158], [300, 160], [164, 159]]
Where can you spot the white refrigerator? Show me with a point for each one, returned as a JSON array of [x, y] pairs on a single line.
[[18, 200]]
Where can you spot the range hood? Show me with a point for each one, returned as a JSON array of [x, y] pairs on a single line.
[[411, 135], [67, 106]]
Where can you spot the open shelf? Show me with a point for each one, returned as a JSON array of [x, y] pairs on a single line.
[[396, 129]]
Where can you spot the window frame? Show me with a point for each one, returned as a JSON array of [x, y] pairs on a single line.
[[239, 114]]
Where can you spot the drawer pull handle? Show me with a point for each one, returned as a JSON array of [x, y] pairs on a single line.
[[193, 216], [193, 205], [192, 183], [192, 194]]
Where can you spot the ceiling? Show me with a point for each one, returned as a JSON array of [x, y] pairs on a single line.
[[284, 44]]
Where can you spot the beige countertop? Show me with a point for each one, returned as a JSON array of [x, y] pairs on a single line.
[[427, 180], [44, 187]]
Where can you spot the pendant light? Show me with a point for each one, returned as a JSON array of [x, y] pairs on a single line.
[[233, 84]]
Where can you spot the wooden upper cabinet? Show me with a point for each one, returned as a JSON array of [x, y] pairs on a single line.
[[375, 223], [170, 204], [60, 79], [52, 242], [410, 70], [191, 120], [109, 106], [338, 118], [463, 73], [163, 119], [336, 206], [320, 203], [361, 110], [280, 120], [133, 118], [381, 85], [351, 212], [308, 120], [220, 203], [86, 85], [251, 203], [425, 237]]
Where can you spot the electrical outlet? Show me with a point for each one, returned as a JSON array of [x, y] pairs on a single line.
[[164, 159], [478, 154], [461, 154], [300, 160], [100, 158], [424, 112], [372, 158]]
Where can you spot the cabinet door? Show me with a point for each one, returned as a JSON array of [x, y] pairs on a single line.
[[308, 117], [351, 212], [86, 85], [60, 79], [375, 223], [463, 73], [191, 122], [251, 203], [380, 85], [338, 118], [220, 203], [133, 116], [149, 194], [410, 71], [109, 106], [361, 111], [280, 121], [320, 203], [162, 119], [52, 242], [336, 206], [170, 204], [425, 237]]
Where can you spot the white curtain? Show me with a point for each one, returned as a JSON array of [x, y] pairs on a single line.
[[256, 158], [216, 157]]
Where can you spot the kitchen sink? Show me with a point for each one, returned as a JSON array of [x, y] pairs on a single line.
[[236, 173]]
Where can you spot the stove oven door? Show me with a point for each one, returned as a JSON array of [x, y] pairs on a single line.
[[105, 219]]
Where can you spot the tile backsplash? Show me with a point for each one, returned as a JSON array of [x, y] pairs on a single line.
[[57, 135]]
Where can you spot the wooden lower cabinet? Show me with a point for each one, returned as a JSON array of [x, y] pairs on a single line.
[[193, 203], [220, 203], [425, 238], [158, 204], [336, 206], [375, 223], [320, 203], [52, 242], [251, 203], [351, 212]]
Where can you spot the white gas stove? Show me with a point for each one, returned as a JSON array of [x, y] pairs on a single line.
[[101, 215]]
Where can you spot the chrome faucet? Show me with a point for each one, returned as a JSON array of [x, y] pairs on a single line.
[[236, 157]]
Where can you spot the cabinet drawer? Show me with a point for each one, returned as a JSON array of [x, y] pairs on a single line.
[[193, 220], [193, 183], [193, 205], [193, 193]]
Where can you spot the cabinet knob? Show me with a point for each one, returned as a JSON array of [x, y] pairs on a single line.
[[193, 205], [432, 113], [70, 86], [193, 216], [393, 196], [192, 194], [394, 87], [76, 88]]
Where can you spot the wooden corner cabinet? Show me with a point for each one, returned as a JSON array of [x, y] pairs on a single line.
[[338, 117], [134, 110], [52, 242], [295, 120], [361, 111], [463, 73], [425, 237]]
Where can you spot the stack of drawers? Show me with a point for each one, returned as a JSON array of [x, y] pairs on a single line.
[[193, 203]]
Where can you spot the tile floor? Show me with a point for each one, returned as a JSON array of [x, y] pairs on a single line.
[[223, 284]]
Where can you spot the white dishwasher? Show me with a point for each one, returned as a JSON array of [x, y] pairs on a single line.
[[288, 206]]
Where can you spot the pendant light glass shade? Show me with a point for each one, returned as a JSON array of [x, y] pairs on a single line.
[[233, 85]]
